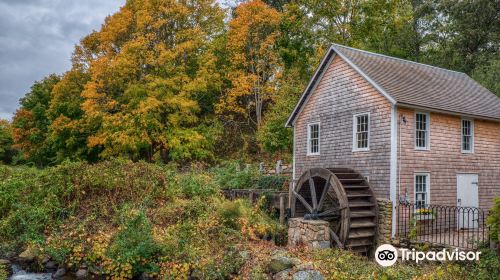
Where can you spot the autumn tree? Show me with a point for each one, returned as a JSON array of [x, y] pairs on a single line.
[[69, 129], [31, 123], [150, 66], [254, 63], [174, 80], [7, 152]]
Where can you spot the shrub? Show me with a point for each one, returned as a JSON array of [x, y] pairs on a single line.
[[197, 184], [231, 212], [3, 272], [493, 221], [488, 265], [134, 244], [275, 182], [229, 176]]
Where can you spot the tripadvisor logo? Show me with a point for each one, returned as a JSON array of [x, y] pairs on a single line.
[[387, 255]]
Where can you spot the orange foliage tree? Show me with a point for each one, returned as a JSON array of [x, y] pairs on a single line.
[[149, 66]]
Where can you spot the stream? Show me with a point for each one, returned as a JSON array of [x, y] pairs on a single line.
[[19, 274]]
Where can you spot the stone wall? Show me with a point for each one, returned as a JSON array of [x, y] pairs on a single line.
[[310, 233], [384, 221]]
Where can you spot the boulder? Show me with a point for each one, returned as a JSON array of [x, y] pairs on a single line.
[[27, 256], [81, 273], [145, 276], [283, 275], [50, 265], [307, 275], [305, 266], [279, 263], [59, 273]]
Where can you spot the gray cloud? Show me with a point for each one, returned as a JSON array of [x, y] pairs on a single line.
[[37, 38]]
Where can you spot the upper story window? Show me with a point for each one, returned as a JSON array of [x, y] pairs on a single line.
[[467, 136], [313, 139], [421, 190], [361, 132], [422, 121]]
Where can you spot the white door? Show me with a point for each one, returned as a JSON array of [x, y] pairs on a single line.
[[467, 197]]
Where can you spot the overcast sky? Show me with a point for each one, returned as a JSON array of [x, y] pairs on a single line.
[[37, 38]]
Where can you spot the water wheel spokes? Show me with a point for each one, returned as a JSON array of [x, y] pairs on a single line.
[[341, 197]]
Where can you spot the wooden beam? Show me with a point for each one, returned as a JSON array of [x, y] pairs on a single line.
[[336, 239]]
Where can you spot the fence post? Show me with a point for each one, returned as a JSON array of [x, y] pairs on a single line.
[[282, 209], [278, 167]]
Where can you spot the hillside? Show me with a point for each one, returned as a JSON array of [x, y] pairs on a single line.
[[124, 220]]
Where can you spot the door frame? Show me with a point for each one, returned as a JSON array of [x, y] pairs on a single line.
[[474, 219]]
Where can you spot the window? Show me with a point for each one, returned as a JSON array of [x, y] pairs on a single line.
[[421, 190], [361, 132], [422, 131], [467, 136], [313, 139]]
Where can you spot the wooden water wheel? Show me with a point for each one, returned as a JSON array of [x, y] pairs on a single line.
[[342, 197]]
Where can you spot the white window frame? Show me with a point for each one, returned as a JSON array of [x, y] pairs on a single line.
[[355, 131], [428, 129], [309, 153], [427, 187], [471, 151]]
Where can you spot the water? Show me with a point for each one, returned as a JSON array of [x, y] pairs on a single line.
[[19, 274]]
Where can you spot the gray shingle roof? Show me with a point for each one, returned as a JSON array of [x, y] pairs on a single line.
[[415, 84]]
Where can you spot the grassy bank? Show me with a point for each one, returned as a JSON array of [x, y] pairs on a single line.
[[123, 219]]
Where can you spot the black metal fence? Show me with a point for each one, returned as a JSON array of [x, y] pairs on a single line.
[[461, 227]]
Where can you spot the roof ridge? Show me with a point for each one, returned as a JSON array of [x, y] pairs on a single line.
[[397, 58]]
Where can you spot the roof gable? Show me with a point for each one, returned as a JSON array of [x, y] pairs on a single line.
[[410, 83]]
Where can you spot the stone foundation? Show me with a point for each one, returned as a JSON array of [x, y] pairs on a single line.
[[384, 221], [310, 233]]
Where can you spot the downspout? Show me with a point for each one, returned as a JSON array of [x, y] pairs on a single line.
[[399, 158], [292, 184], [393, 177], [401, 121]]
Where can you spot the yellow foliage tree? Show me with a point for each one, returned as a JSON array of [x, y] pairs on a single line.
[[149, 65], [255, 65]]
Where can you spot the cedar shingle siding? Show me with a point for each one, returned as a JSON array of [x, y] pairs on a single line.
[[340, 94], [445, 159]]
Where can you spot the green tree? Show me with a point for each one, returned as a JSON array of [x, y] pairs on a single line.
[[31, 123], [387, 27], [462, 34], [7, 152], [487, 75], [69, 128]]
